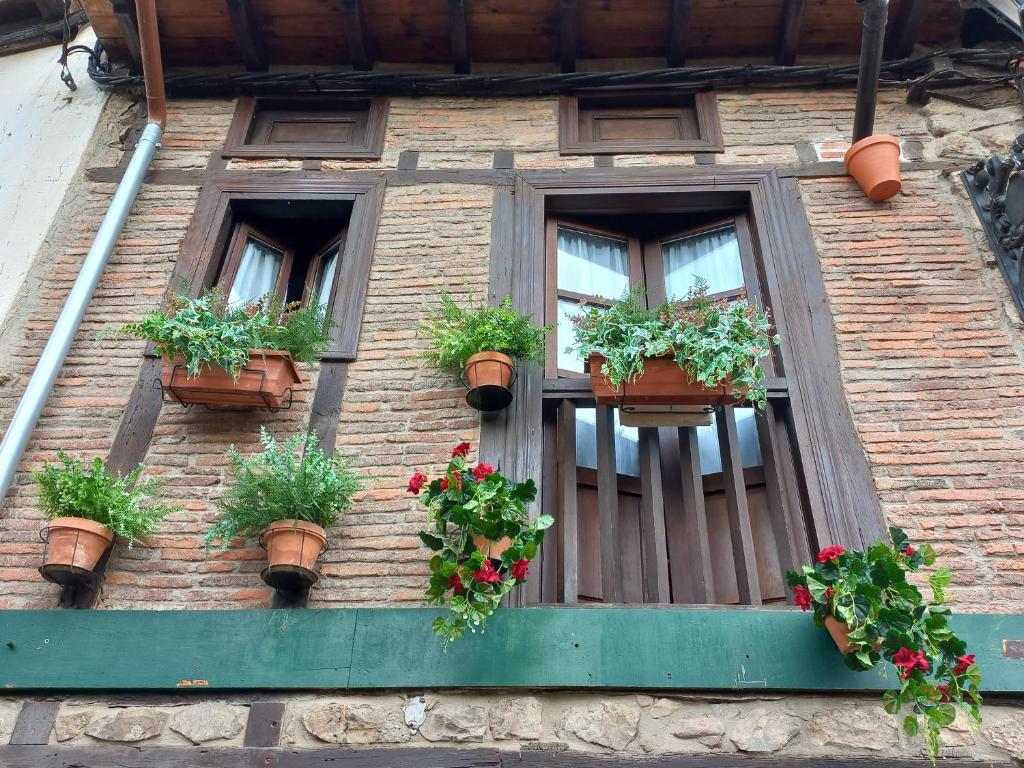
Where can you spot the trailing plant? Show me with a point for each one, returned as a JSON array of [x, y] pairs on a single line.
[[718, 343], [467, 502], [119, 502], [207, 331], [890, 620], [280, 484], [458, 333]]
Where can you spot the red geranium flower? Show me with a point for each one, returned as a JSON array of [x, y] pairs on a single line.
[[416, 483], [831, 553], [802, 597], [909, 551], [908, 660], [944, 690], [462, 449], [965, 663], [482, 471], [520, 568], [456, 584], [487, 573], [829, 593], [444, 483]]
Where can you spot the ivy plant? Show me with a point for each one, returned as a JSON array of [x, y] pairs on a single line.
[[890, 620], [717, 342], [294, 480], [207, 331], [463, 503], [457, 333], [120, 502]]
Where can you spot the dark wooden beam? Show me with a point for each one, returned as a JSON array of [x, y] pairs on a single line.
[[569, 27], [124, 14], [50, 9], [793, 12], [679, 32], [904, 28], [248, 35], [359, 50], [459, 36]]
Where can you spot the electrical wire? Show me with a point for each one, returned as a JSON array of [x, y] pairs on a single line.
[[66, 49]]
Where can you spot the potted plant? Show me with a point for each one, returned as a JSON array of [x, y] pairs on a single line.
[[86, 509], [480, 344], [215, 354], [288, 499], [874, 163], [874, 614], [482, 537], [694, 352]]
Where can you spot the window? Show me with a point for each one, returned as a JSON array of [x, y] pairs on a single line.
[[322, 128], [639, 122]]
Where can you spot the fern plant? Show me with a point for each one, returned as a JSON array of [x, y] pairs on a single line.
[[457, 333], [280, 484], [119, 502], [206, 331]]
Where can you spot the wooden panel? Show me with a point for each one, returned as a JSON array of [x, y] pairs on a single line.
[[743, 553], [263, 726], [608, 507], [567, 519], [652, 521], [627, 548], [34, 723]]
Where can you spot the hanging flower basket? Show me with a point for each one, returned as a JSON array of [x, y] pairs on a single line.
[[663, 382], [489, 377], [266, 381], [293, 547], [74, 546]]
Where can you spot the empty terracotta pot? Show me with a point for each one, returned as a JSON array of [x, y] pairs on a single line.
[[840, 632], [294, 543], [874, 163], [74, 542], [489, 369], [492, 549]]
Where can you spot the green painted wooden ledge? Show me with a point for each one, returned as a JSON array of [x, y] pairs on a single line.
[[638, 648]]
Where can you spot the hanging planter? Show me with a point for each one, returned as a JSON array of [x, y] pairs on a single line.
[[293, 547], [488, 378], [874, 163], [74, 546], [267, 380], [492, 550]]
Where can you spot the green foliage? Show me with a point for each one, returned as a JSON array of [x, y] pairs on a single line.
[[716, 342], [869, 591], [469, 502], [457, 333], [206, 331], [276, 484], [116, 501]]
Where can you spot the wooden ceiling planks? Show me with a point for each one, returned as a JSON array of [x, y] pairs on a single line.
[[316, 32]]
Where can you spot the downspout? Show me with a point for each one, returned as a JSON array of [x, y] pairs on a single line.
[[52, 358], [876, 14]]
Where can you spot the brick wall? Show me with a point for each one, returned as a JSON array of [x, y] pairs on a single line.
[[930, 358]]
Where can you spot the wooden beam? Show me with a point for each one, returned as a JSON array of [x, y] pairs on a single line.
[[905, 28], [793, 12], [124, 14], [359, 51], [50, 9], [459, 36], [679, 33], [248, 35], [569, 28]]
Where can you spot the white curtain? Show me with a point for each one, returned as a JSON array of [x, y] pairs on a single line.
[[591, 264], [326, 277], [714, 255], [257, 273], [750, 446], [627, 443]]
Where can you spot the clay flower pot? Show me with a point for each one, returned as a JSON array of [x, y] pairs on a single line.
[[874, 163], [266, 381], [840, 633], [488, 377], [74, 546], [663, 382], [293, 547], [492, 549]]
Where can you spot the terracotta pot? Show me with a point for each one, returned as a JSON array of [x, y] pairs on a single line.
[[75, 543], [264, 382], [293, 543], [840, 632], [663, 382], [492, 549], [874, 163], [489, 369]]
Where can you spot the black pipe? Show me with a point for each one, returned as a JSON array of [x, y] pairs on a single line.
[[875, 16]]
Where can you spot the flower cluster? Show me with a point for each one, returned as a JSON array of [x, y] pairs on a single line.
[[890, 620], [482, 537]]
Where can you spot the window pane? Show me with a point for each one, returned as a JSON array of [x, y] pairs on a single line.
[[750, 446], [591, 264], [257, 272], [627, 443], [325, 275], [567, 361], [714, 255]]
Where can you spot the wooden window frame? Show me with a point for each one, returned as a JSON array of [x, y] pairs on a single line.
[[237, 144], [314, 267], [243, 231], [571, 143]]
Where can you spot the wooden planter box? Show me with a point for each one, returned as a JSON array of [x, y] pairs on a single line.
[[266, 381], [663, 383]]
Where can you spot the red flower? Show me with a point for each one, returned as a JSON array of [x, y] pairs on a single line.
[[944, 690], [416, 483], [482, 471], [909, 551], [462, 449], [831, 553], [829, 593], [520, 568], [487, 573], [908, 660], [802, 597], [965, 663], [456, 583]]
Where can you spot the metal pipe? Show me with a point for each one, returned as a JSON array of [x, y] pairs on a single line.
[[52, 359], [873, 39]]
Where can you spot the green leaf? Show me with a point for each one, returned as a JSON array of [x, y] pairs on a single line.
[[543, 522], [891, 702], [435, 543], [910, 725]]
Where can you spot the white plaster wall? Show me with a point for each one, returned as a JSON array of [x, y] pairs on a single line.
[[44, 130]]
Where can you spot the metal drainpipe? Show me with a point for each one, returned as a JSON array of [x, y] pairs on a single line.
[[875, 16], [52, 359]]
